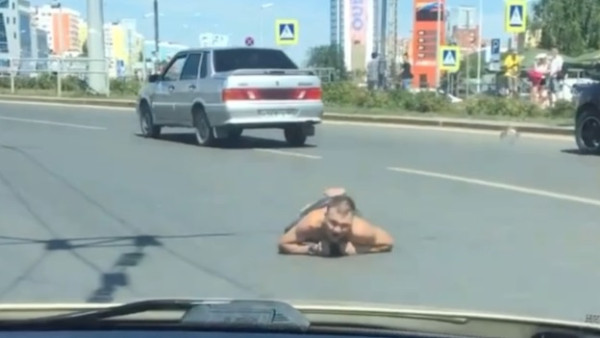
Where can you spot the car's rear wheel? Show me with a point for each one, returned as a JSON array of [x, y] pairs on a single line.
[[587, 131], [147, 123], [295, 136], [204, 132]]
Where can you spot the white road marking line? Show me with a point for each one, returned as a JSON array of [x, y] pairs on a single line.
[[496, 185], [51, 123], [288, 153], [70, 105], [562, 138]]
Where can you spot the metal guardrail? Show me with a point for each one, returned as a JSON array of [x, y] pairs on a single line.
[[58, 68]]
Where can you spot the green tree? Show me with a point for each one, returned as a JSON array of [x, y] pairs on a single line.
[[327, 56], [573, 26]]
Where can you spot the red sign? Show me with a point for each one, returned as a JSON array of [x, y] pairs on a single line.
[[249, 41], [424, 46]]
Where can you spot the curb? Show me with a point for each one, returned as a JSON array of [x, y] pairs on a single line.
[[400, 120], [448, 123]]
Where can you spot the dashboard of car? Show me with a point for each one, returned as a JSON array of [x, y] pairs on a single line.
[[184, 334]]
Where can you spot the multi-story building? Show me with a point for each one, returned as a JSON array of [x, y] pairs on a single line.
[[353, 28], [123, 46], [17, 36], [62, 24], [83, 32]]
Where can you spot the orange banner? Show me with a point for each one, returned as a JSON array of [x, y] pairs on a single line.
[[424, 38]]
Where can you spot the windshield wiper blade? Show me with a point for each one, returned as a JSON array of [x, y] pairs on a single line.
[[250, 314]]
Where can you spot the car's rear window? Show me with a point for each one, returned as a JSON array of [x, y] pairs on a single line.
[[227, 60]]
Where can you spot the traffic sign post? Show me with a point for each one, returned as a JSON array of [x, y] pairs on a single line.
[[249, 41], [515, 16], [449, 58], [495, 55], [286, 32]]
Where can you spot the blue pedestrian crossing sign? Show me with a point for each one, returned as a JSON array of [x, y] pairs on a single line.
[[286, 32], [515, 16], [449, 59]]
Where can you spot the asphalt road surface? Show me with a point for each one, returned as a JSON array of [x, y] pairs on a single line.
[[90, 211]]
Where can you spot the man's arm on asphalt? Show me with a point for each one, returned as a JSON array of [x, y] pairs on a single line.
[[294, 241], [368, 238]]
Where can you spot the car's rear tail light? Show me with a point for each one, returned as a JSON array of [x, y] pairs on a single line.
[[309, 94], [252, 94]]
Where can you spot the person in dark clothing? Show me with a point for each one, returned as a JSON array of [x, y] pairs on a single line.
[[406, 75]]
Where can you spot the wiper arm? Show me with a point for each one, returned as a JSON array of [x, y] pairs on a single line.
[[269, 315]]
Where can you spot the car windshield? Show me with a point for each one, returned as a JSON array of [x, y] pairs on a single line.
[[425, 153]]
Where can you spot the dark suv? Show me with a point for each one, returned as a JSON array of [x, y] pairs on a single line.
[[587, 118]]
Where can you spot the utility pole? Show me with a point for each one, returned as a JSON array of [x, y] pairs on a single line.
[[98, 67]]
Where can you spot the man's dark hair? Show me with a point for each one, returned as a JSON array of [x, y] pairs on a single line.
[[343, 204]]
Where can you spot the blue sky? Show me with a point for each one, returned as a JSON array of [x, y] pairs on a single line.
[[183, 20]]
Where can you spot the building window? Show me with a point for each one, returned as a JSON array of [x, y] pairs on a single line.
[[13, 5], [15, 35]]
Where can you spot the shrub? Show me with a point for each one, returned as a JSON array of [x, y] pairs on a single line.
[[348, 94]]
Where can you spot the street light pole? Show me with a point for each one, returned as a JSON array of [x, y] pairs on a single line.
[[156, 36], [262, 9]]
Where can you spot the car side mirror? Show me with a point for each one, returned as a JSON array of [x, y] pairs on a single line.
[[154, 78]]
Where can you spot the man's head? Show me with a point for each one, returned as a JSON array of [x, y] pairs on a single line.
[[554, 51], [512, 52], [374, 55], [338, 218]]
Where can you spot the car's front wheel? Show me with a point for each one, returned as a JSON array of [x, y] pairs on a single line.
[[587, 131], [147, 123]]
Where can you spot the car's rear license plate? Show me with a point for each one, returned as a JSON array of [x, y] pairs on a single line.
[[276, 112]]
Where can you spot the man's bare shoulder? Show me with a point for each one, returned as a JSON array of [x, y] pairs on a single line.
[[313, 219]]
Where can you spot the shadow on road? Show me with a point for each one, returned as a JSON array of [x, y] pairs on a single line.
[[576, 152], [116, 276], [245, 142]]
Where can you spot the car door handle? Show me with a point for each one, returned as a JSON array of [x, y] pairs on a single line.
[[192, 87], [171, 88]]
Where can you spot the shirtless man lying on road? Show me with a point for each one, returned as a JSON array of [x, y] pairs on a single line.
[[334, 230]]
